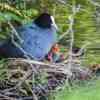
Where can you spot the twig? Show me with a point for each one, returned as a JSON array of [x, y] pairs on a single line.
[[4, 97], [94, 3], [15, 32]]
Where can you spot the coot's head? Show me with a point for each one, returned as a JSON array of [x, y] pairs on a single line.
[[45, 20], [75, 50]]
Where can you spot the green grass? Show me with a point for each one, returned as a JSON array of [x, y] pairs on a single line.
[[81, 93]]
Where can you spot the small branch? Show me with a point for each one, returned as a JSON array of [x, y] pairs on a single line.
[[94, 3], [63, 35], [4, 97], [71, 20], [15, 32], [62, 1]]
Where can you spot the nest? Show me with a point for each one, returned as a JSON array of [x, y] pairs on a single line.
[[25, 78]]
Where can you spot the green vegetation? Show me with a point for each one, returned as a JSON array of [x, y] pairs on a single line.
[[81, 93]]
